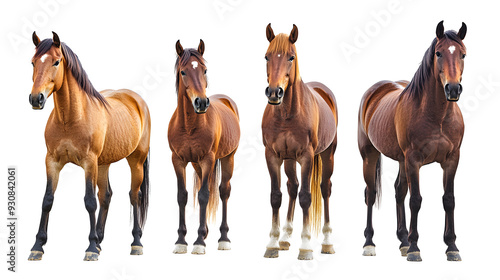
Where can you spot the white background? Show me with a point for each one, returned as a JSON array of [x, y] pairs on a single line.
[[130, 44]]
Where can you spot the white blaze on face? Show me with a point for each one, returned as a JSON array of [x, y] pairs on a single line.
[[451, 49], [195, 64], [44, 57]]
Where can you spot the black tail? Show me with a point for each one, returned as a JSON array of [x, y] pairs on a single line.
[[378, 182], [144, 197]]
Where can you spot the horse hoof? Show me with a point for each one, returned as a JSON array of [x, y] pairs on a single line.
[[404, 251], [180, 249], [453, 256], [35, 256], [284, 245], [327, 249], [136, 250], [369, 250], [305, 254], [271, 253], [414, 257], [91, 256], [224, 245], [198, 250]]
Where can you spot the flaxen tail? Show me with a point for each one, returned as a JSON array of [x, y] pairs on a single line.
[[144, 197], [213, 188], [315, 210]]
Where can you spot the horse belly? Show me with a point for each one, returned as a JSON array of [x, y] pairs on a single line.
[[122, 138], [327, 128], [230, 133]]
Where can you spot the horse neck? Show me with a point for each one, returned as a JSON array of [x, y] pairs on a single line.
[[434, 103], [186, 115], [293, 100], [70, 102]]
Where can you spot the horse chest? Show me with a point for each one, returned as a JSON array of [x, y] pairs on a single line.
[[434, 148], [289, 144], [191, 148]]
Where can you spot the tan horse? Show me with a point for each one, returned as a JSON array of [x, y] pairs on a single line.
[[416, 123], [204, 132], [92, 130], [299, 125]]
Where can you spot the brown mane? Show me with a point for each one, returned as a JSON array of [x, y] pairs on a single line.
[[75, 67]]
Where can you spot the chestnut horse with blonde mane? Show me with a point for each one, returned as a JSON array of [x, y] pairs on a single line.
[[415, 123], [206, 132], [299, 125], [92, 130]]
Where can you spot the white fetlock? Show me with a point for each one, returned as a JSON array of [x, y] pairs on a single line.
[[198, 250], [369, 250], [224, 245], [180, 249]]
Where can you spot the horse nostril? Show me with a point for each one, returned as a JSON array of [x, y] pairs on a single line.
[[41, 99], [31, 99], [268, 92], [208, 102], [280, 92], [197, 103], [459, 88], [447, 88]]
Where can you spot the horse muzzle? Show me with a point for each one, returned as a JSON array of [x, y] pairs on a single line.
[[37, 101], [453, 92], [274, 95], [201, 105]]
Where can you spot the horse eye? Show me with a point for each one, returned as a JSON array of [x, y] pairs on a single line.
[[205, 72], [463, 56], [32, 63], [183, 73], [291, 58], [56, 63], [438, 54], [267, 59]]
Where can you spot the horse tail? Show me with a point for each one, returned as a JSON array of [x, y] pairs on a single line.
[[144, 197], [213, 188], [378, 182], [316, 205]]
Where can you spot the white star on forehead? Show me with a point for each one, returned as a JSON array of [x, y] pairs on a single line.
[[279, 55], [195, 64], [451, 49], [44, 57]]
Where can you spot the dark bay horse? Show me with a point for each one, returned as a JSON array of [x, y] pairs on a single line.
[[415, 123], [204, 131], [92, 130], [299, 125]]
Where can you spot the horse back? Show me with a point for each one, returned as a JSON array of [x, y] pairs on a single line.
[[327, 95], [227, 101]]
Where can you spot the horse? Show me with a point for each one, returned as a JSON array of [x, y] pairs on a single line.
[[204, 131], [299, 125], [415, 123], [92, 130]]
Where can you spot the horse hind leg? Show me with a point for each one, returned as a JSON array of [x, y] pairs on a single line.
[[371, 173], [293, 186], [227, 166], [139, 191], [326, 191], [104, 195]]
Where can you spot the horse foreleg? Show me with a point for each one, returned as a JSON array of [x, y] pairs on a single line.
[[306, 166], [413, 162], [274, 165], [292, 185], [206, 165], [450, 168], [182, 198], [104, 194], [90, 167], [401, 189], [53, 169]]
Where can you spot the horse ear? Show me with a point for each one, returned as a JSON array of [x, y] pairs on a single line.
[[440, 30], [201, 47], [178, 48], [56, 40], [36, 40], [269, 33], [462, 31], [294, 34]]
